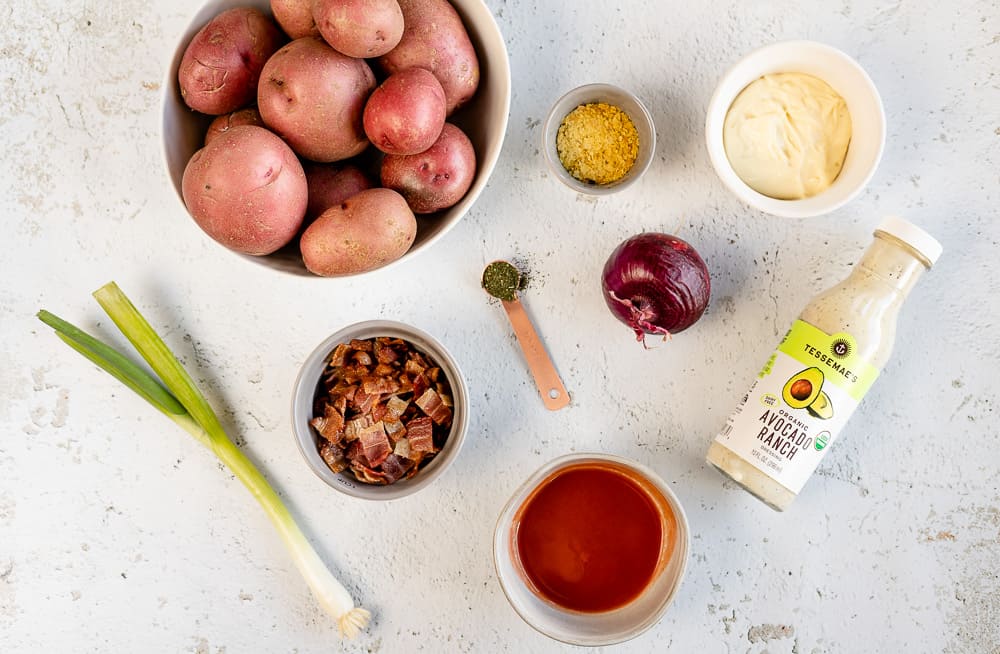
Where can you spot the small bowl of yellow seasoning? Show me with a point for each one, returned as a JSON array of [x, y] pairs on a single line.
[[598, 139], [796, 129]]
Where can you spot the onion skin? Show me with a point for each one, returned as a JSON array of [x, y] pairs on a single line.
[[656, 284]]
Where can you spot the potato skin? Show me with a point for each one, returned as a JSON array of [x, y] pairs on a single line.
[[331, 184], [247, 190], [359, 28], [224, 123], [295, 17], [436, 178], [313, 97], [406, 113], [362, 233], [435, 38], [219, 71]]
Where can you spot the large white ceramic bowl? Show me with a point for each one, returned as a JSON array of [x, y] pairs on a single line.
[[307, 384], [608, 627], [848, 79], [483, 119]]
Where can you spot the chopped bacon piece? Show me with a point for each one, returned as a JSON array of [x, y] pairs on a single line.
[[354, 427], [396, 406], [420, 384], [395, 429], [355, 452], [405, 386], [334, 457], [379, 385], [355, 373], [362, 359], [395, 467], [361, 345], [419, 459], [420, 433], [384, 353], [345, 389], [367, 475], [442, 390], [430, 403], [432, 373], [384, 370], [364, 401], [414, 367], [402, 448], [375, 444], [340, 404], [338, 355], [342, 394], [330, 425]]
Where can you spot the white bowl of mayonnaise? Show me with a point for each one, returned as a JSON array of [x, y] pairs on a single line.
[[796, 129]]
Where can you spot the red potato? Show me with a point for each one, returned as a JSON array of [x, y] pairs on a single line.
[[313, 97], [436, 178], [359, 28], [247, 190], [362, 233], [406, 113], [435, 38], [222, 124], [219, 71], [331, 184], [295, 17]]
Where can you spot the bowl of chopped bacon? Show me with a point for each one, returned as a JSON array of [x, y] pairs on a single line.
[[379, 410]]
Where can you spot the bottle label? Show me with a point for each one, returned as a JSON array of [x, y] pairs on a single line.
[[798, 404]]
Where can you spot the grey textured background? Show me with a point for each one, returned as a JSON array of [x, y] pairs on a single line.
[[119, 533]]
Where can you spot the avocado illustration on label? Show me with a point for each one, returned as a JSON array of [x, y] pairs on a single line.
[[803, 388], [821, 407]]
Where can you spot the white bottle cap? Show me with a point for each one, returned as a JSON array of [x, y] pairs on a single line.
[[913, 236]]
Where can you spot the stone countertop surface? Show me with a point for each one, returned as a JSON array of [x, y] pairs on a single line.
[[118, 532]]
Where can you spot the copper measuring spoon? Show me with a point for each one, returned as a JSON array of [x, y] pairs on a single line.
[[550, 386]]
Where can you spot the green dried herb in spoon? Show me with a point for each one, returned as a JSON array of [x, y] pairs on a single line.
[[502, 280]]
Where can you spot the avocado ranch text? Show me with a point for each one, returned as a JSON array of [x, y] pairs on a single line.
[[784, 434]]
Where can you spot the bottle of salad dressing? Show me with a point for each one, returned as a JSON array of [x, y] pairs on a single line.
[[826, 363]]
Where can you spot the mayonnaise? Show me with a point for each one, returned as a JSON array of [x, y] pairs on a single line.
[[822, 369], [786, 135]]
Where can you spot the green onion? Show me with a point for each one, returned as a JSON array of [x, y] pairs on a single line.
[[175, 395]]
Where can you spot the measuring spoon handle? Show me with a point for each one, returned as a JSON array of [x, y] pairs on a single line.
[[550, 386]]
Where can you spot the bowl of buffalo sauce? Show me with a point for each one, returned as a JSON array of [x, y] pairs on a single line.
[[591, 549]]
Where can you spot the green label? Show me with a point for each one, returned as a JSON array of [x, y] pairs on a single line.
[[831, 358], [822, 439]]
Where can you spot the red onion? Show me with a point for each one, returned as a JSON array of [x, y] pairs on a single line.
[[656, 284]]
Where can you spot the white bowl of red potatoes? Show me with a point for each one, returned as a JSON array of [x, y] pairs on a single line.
[[334, 137]]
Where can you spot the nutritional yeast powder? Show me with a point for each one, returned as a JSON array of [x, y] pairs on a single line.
[[597, 143]]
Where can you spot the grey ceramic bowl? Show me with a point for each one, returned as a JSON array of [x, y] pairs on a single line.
[[614, 96], [304, 393], [484, 120]]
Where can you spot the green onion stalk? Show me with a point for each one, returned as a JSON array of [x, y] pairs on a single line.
[[174, 393]]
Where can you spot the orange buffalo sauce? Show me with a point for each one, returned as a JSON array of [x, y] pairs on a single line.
[[592, 536]]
